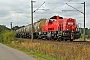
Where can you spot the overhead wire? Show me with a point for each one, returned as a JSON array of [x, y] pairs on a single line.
[[50, 9], [74, 8], [78, 7], [57, 7], [39, 6]]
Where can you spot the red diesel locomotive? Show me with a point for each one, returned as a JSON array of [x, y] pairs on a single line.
[[60, 28], [56, 27]]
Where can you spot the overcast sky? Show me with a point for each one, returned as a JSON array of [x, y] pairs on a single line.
[[19, 11]]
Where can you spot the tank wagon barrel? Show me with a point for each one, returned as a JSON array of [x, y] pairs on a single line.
[[25, 32]]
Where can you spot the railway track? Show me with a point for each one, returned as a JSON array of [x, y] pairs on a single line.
[[78, 43]]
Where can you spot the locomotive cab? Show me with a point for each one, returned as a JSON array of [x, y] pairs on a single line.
[[69, 24], [51, 27], [69, 29], [52, 24]]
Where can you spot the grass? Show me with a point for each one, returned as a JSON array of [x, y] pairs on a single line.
[[37, 55], [47, 51], [50, 51]]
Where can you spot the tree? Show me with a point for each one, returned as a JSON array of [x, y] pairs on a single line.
[[3, 27]]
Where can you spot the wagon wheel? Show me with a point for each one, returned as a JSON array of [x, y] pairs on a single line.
[[71, 39]]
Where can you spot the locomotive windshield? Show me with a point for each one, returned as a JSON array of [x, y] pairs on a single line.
[[52, 19], [70, 23]]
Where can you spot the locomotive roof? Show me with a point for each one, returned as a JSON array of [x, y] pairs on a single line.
[[69, 18], [55, 17]]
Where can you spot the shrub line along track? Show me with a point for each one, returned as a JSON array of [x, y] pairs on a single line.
[[78, 43]]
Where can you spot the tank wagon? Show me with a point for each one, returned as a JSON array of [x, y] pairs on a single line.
[[25, 32], [56, 27]]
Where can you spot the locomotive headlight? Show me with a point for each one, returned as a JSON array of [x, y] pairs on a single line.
[[64, 33], [67, 29]]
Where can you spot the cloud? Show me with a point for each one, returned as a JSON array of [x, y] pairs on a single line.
[[19, 11]]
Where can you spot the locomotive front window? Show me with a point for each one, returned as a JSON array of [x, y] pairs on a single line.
[[70, 23], [52, 19]]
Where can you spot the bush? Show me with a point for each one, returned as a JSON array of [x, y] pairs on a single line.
[[7, 36]]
